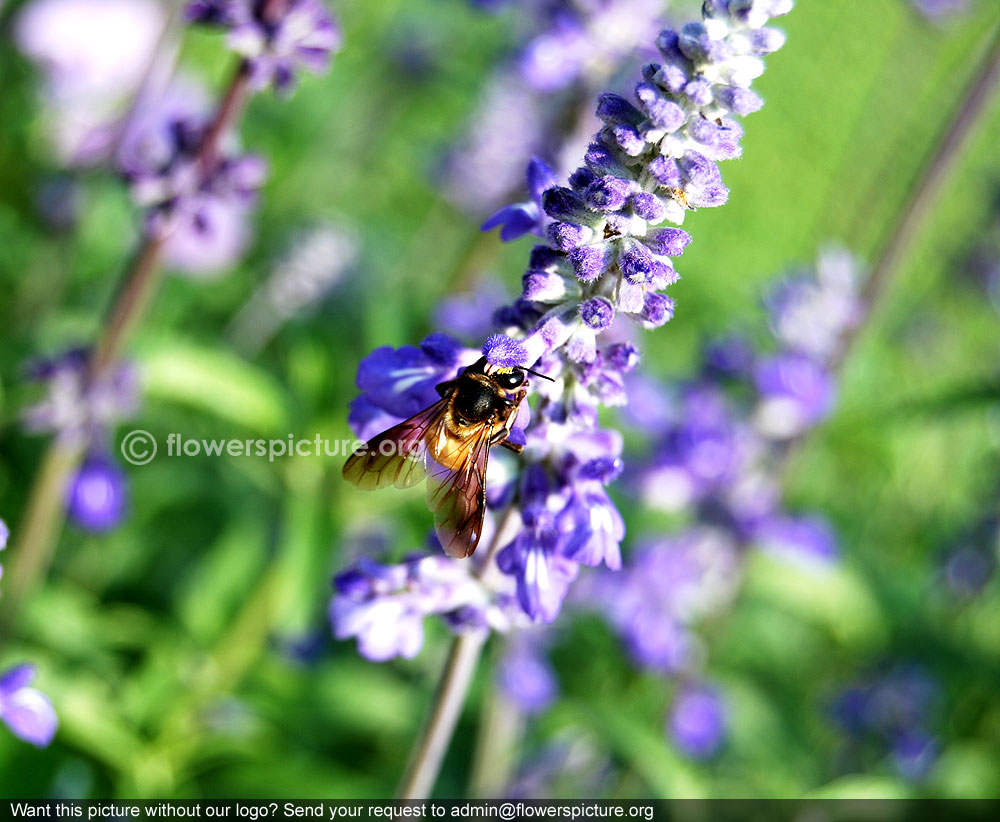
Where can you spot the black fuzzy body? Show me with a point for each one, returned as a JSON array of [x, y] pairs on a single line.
[[477, 401]]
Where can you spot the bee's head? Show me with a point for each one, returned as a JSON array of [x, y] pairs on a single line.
[[508, 379]]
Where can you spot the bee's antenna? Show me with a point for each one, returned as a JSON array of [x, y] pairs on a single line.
[[543, 376]]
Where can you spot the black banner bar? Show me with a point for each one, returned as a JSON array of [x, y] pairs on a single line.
[[681, 810]]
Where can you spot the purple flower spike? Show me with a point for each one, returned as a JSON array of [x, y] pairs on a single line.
[[4, 534], [27, 712], [505, 352], [698, 722], [606, 258]]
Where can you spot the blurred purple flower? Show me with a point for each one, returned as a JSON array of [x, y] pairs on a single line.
[[796, 393], [914, 753], [27, 712], [469, 316], [971, 562], [97, 494], [668, 586], [277, 37], [384, 606], [4, 537], [573, 48], [806, 540], [199, 208], [939, 10], [93, 55], [697, 721], [811, 312], [525, 676], [890, 711], [75, 406]]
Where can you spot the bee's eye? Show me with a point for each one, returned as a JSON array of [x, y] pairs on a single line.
[[515, 379]]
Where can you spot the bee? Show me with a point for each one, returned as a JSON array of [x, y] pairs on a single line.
[[448, 444]]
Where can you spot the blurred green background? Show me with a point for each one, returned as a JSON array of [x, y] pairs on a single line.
[[164, 645]]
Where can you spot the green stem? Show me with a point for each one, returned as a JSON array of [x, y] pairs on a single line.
[[925, 190], [439, 726], [37, 531]]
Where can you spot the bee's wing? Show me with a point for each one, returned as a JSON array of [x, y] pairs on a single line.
[[397, 456], [456, 489]]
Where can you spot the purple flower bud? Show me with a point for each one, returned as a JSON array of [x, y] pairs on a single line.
[[699, 92], [629, 140], [668, 242], [545, 287], [97, 495], [623, 356], [590, 261], [27, 712], [667, 42], [658, 309], [615, 110], [567, 236], [602, 162], [637, 264], [505, 352], [565, 205], [698, 169], [698, 722], [739, 100], [766, 40], [648, 207], [665, 171], [673, 77], [597, 313], [664, 114], [608, 193]]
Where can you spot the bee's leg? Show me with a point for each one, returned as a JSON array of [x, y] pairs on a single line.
[[500, 437]]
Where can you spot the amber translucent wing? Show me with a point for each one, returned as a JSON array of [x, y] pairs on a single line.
[[397, 456], [456, 489]]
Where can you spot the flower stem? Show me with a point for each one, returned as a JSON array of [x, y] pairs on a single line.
[[38, 529], [432, 744], [442, 716], [940, 163], [924, 192]]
